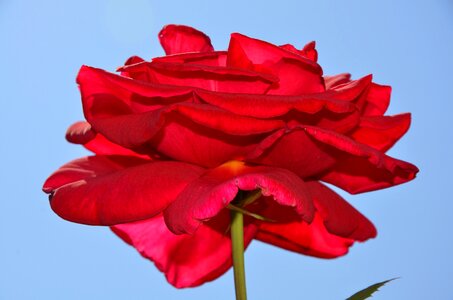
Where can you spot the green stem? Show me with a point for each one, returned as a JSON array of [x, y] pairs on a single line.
[[237, 239]]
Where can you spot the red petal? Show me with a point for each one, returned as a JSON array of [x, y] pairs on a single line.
[[334, 80], [204, 198], [120, 110], [309, 51], [381, 132], [193, 133], [310, 239], [220, 79], [332, 157], [335, 227], [184, 140], [114, 105], [353, 90], [340, 218], [360, 168], [107, 190], [377, 100], [186, 260], [178, 137], [105, 93], [293, 150], [82, 133], [180, 39], [297, 74]]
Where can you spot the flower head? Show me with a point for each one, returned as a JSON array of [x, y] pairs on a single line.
[[177, 138]]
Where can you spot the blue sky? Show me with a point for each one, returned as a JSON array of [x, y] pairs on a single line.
[[406, 44]]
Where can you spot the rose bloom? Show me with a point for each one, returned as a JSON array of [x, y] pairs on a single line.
[[178, 137]]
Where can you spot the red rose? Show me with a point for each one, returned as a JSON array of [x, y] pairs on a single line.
[[176, 139]]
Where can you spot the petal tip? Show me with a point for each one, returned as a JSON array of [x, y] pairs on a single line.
[[80, 133], [181, 38]]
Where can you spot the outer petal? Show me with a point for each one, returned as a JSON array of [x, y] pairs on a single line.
[[332, 157], [180, 39], [334, 229], [381, 132], [310, 239], [117, 93], [107, 190], [206, 197], [297, 74], [186, 260], [82, 133], [339, 217], [360, 168]]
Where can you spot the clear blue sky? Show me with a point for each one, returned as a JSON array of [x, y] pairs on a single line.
[[406, 44]]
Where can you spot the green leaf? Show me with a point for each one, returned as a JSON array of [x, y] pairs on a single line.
[[366, 293]]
